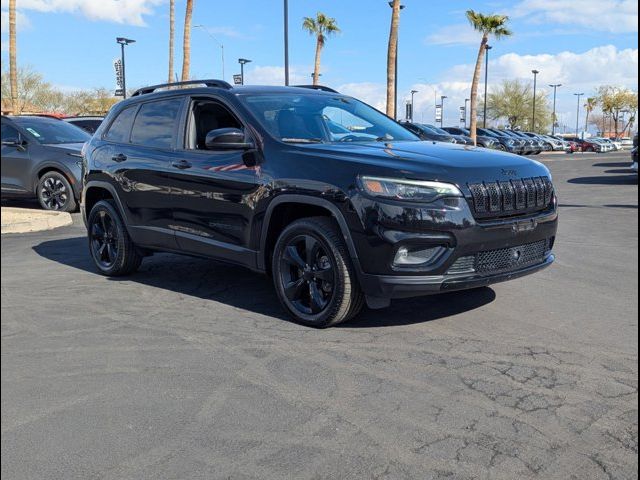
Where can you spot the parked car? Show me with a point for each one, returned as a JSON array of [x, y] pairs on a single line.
[[41, 158], [528, 146], [571, 146], [88, 124], [482, 140], [460, 139], [427, 133], [609, 144], [506, 143], [252, 175], [587, 145], [546, 144], [627, 143]]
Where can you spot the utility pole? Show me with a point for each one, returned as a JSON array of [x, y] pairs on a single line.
[[535, 86], [555, 92]]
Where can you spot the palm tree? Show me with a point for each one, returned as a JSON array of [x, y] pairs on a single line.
[[172, 34], [186, 41], [590, 106], [392, 55], [488, 25], [13, 67], [321, 26]]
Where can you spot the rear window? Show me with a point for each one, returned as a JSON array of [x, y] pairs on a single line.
[[155, 124], [120, 128]]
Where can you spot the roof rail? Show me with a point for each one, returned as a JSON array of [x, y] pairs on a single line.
[[209, 83], [322, 88]]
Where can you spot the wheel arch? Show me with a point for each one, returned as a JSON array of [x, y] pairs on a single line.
[[54, 167], [287, 208], [94, 191]]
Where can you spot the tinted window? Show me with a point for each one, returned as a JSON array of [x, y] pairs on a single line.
[[89, 126], [9, 133], [51, 131], [155, 124], [121, 127]]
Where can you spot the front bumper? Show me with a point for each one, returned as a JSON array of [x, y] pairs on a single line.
[[389, 286]]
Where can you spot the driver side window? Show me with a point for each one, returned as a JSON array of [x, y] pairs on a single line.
[[205, 116], [9, 133]]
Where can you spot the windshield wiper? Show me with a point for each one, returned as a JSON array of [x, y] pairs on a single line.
[[302, 140]]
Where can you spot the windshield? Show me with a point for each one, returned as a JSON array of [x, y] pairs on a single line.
[[309, 118], [49, 131], [436, 130]]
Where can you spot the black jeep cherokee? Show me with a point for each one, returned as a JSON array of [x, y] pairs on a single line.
[[255, 176]]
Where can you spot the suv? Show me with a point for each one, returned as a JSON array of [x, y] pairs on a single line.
[[41, 158], [481, 140], [253, 176], [88, 124]]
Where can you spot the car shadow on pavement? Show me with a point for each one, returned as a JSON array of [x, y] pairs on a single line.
[[631, 179], [241, 288], [613, 164]]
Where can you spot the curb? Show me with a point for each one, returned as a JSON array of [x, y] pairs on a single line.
[[25, 220]]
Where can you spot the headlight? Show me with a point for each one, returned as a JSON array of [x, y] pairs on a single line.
[[412, 190]]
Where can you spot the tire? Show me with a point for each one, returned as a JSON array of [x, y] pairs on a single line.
[[501, 147], [313, 274], [55, 193], [111, 248]]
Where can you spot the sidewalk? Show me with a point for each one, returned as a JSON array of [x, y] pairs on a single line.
[[23, 220]]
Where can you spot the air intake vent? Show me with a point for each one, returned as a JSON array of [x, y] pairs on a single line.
[[509, 198]]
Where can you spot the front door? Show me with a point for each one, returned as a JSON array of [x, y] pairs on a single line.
[[214, 193], [16, 166]]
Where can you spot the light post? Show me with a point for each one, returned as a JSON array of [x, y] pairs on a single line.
[[286, 42], [413, 93], [466, 102], [442, 99], [555, 91], [243, 62], [486, 84], [123, 42], [535, 86], [208, 32], [395, 86], [578, 114]]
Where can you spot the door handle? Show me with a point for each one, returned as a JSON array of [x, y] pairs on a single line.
[[181, 164], [121, 157]]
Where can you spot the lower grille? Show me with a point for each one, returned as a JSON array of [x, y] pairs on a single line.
[[508, 198], [504, 259]]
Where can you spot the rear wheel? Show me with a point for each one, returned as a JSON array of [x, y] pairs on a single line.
[[55, 192], [313, 275], [111, 248]]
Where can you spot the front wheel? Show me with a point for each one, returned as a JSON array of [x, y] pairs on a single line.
[[111, 248], [313, 274], [55, 192]]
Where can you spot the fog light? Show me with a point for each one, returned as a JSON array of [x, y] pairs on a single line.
[[407, 256]]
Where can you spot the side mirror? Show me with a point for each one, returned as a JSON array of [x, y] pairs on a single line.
[[227, 139], [15, 143]]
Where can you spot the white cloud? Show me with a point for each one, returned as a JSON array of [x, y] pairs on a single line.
[[616, 16], [273, 75], [129, 12], [458, 34], [372, 93]]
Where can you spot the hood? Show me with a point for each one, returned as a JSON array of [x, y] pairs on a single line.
[[71, 148], [432, 161]]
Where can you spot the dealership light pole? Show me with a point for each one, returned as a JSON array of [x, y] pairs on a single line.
[[578, 114], [123, 42], [286, 42], [243, 62], [555, 92], [218, 42], [535, 87], [486, 83], [442, 99], [413, 94]]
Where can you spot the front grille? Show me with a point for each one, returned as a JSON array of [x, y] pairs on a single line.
[[504, 259], [509, 198]]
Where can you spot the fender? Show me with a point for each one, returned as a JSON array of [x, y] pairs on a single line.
[[316, 202], [111, 189]]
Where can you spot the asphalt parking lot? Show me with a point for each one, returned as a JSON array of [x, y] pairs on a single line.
[[189, 370]]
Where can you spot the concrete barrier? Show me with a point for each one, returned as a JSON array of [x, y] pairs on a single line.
[[23, 220]]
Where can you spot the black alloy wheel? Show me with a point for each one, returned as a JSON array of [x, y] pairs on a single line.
[[313, 274], [55, 192], [111, 248]]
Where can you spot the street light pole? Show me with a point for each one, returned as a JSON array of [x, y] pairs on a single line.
[[413, 93], [535, 86], [286, 42], [243, 62], [442, 99], [578, 114], [555, 91], [124, 41], [486, 84], [218, 42]]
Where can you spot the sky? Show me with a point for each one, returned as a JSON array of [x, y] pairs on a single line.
[[580, 44]]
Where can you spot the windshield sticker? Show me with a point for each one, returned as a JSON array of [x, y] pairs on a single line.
[[33, 132]]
